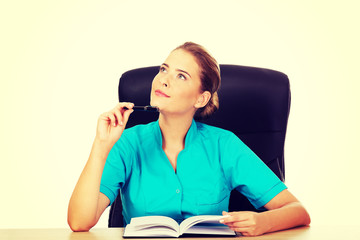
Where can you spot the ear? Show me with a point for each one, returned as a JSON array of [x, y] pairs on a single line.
[[203, 99]]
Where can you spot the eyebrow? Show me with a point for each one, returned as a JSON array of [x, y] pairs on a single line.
[[177, 69]]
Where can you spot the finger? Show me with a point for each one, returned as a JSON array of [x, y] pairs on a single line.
[[248, 232], [243, 231], [127, 109], [112, 119], [119, 116], [104, 116], [234, 217], [242, 224], [129, 105], [240, 229], [245, 234], [228, 220], [123, 105], [225, 215], [118, 111], [127, 115]]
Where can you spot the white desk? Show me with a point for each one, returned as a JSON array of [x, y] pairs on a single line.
[[301, 233]]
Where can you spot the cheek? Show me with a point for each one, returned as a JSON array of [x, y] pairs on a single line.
[[153, 84], [153, 88], [186, 98], [190, 92]]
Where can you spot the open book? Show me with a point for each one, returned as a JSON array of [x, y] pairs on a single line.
[[160, 226]]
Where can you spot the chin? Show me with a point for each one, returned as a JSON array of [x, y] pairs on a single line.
[[154, 103]]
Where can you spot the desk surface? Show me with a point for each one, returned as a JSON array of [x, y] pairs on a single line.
[[301, 233]]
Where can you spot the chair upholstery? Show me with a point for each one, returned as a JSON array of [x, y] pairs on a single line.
[[254, 104]]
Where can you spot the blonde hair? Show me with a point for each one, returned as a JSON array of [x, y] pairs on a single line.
[[209, 76]]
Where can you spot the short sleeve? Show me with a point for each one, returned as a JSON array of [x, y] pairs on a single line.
[[247, 173], [116, 169]]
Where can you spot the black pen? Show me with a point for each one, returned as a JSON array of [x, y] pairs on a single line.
[[144, 108]]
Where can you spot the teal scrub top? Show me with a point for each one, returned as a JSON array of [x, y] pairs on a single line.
[[213, 162]]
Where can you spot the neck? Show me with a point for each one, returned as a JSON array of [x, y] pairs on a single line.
[[174, 130]]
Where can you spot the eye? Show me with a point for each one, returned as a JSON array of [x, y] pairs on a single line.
[[182, 77], [162, 69]]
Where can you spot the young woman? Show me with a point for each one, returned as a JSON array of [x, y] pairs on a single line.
[[176, 166]]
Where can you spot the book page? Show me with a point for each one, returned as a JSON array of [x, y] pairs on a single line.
[[152, 226], [150, 221], [211, 225], [152, 231], [211, 230]]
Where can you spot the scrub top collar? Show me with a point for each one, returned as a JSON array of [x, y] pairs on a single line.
[[189, 138]]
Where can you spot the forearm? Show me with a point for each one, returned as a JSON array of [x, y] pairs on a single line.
[[83, 205], [291, 215]]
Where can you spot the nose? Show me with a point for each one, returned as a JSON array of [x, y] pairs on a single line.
[[164, 81]]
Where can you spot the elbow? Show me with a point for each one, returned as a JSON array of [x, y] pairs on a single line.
[[307, 219], [78, 225], [75, 227], [301, 215], [78, 228]]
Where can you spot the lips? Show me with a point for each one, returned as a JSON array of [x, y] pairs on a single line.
[[161, 94]]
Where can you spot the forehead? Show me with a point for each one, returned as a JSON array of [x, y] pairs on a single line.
[[183, 60]]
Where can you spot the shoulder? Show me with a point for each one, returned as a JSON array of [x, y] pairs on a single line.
[[213, 132], [225, 139], [133, 136], [139, 130]]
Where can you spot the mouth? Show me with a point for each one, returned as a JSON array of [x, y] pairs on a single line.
[[161, 94]]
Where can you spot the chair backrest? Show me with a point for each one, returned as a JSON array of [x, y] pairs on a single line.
[[254, 104]]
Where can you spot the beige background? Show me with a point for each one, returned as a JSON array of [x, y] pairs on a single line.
[[61, 60]]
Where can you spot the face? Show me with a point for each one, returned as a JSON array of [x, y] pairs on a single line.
[[176, 89]]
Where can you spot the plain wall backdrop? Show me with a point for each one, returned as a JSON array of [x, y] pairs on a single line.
[[61, 61]]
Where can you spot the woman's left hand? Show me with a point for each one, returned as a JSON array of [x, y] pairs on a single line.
[[247, 223]]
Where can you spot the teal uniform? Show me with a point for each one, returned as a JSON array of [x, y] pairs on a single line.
[[213, 162]]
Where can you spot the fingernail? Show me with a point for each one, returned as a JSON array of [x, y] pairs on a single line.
[[221, 221], [114, 124], [121, 123]]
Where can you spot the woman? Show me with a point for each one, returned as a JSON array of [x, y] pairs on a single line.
[[176, 166]]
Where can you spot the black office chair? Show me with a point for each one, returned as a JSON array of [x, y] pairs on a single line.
[[254, 104]]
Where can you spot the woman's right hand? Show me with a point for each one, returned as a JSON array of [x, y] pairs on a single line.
[[87, 204], [112, 124]]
